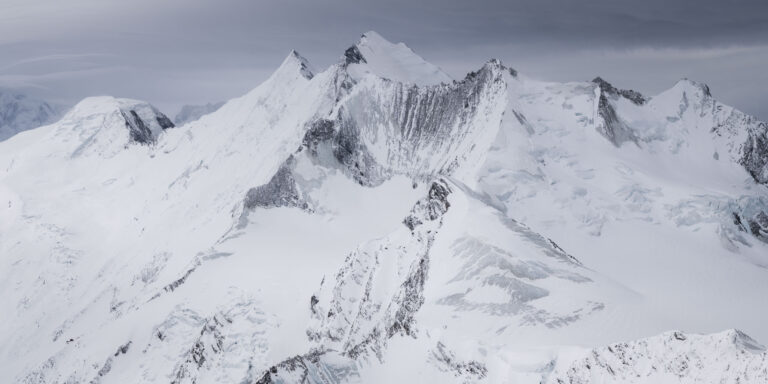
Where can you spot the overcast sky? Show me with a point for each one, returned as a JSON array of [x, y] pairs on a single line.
[[175, 52]]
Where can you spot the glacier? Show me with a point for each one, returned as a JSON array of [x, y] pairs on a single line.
[[378, 221]]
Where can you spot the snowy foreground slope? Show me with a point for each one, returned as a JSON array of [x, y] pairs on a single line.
[[378, 221]]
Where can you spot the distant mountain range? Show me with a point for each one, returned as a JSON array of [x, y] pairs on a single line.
[[19, 112], [191, 113]]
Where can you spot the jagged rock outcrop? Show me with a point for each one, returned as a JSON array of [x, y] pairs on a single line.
[[280, 191], [629, 94], [727, 357], [755, 153], [144, 122], [610, 124], [467, 371]]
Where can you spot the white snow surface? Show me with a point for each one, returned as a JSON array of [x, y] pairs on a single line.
[[413, 229], [395, 62]]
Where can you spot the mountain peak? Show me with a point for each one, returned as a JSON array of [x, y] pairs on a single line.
[[373, 38], [294, 64], [295, 61], [143, 121], [686, 84], [629, 94], [373, 54]]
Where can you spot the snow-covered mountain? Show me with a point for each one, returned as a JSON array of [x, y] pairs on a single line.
[[189, 113], [377, 221], [19, 112]]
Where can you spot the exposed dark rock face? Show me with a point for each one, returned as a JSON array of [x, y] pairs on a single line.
[[613, 127], [164, 121], [629, 94], [140, 130], [210, 342], [738, 223], [298, 365], [170, 287], [320, 131], [349, 150], [280, 191], [107, 367], [758, 226], [353, 56], [304, 67], [410, 298], [446, 360], [432, 208], [311, 368], [755, 154]]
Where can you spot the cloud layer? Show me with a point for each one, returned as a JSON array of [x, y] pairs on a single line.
[[175, 52]]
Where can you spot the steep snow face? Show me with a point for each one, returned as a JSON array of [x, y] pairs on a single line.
[[375, 55], [351, 225], [20, 113], [190, 113], [385, 127]]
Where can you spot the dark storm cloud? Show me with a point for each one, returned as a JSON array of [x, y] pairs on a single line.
[[175, 52]]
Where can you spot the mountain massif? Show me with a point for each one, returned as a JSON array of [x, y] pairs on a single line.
[[379, 221]]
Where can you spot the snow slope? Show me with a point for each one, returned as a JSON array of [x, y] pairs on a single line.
[[379, 222], [377, 56]]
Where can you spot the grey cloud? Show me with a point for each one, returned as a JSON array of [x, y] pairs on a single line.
[[176, 52]]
